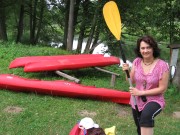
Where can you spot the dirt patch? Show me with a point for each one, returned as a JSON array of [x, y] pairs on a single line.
[[13, 109], [123, 111], [176, 115], [86, 113]]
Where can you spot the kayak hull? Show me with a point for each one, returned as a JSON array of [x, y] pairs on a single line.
[[75, 130], [63, 62], [22, 61], [69, 64], [62, 88]]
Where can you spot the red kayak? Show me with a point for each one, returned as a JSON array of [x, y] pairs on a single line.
[[75, 130], [22, 61], [62, 88], [70, 64]]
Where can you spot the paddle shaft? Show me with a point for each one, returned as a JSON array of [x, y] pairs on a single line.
[[113, 21], [129, 79]]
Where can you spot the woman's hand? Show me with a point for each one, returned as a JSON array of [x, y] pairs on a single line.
[[125, 66], [135, 92]]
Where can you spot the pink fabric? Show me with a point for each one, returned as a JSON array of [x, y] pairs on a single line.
[[152, 80]]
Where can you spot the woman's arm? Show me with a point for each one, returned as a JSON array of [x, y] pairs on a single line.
[[163, 84]]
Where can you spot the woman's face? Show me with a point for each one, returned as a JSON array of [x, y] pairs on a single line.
[[146, 50]]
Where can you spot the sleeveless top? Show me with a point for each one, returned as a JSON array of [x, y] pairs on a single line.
[[152, 81]]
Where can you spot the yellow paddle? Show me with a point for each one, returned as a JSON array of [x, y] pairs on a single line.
[[112, 18]]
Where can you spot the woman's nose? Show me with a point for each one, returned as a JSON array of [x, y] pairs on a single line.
[[146, 49]]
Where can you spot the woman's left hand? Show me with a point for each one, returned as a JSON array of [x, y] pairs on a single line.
[[135, 92]]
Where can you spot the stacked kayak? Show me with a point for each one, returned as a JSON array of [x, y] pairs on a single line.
[[63, 62], [62, 88]]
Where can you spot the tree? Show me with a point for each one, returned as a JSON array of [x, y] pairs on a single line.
[[70, 26], [3, 34], [35, 19], [92, 31], [20, 25], [82, 25], [39, 26], [51, 21], [67, 2]]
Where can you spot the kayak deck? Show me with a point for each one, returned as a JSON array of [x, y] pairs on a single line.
[[62, 88]]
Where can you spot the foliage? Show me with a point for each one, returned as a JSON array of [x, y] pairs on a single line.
[[157, 18]]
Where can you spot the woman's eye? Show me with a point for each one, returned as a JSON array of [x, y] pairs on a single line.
[[145, 48]]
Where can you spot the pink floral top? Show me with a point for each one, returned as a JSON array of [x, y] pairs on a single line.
[[151, 79]]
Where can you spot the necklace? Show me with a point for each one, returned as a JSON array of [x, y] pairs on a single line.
[[147, 64]]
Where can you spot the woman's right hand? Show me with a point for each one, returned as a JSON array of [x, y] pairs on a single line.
[[125, 66]]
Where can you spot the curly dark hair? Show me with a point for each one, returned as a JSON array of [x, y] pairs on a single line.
[[95, 131], [152, 43]]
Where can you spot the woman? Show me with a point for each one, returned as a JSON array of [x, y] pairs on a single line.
[[150, 75]]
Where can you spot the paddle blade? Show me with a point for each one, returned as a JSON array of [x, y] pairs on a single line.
[[112, 18]]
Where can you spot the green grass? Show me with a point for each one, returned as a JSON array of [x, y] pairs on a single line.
[[51, 115]]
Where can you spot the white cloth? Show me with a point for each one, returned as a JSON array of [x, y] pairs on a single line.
[[87, 123]]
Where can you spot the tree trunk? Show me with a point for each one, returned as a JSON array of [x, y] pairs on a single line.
[[70, 27], [81, 37], [94, 33], [3, 34], [66, 24], [20, 25], [33, 21], [91, 33], [96, 38], [82, 26], [40, 20]]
